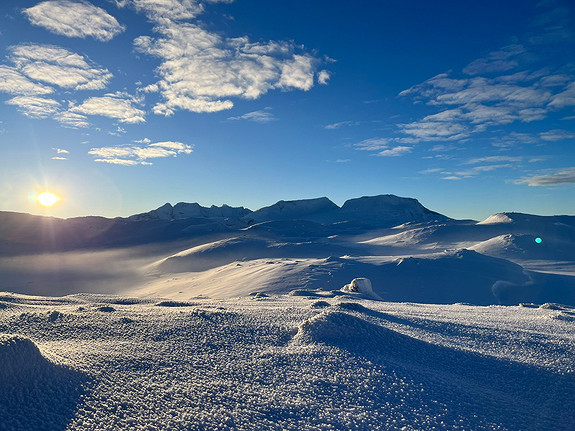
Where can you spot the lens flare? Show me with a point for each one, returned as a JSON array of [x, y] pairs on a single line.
[[538, 240]]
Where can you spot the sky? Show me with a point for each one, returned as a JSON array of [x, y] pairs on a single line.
[[119, 106]]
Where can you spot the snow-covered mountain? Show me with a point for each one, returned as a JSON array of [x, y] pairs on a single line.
[[387, 210], [318, 209], [380, 211]]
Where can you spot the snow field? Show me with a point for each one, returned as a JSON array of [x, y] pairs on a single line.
[[314, 360]]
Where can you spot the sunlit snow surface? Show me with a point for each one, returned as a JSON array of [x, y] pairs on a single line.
[[307, 360]]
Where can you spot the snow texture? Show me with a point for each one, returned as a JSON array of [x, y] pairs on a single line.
[[308, 361]]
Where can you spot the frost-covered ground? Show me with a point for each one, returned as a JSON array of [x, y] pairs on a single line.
[[309, 360]]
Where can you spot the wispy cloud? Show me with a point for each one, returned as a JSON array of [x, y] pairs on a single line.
[[262, 116], [493, 159], [373, 144], [497, 61], [76, 18], [201, 71], [556, 135], [138, 155], [35, 107], [339, 125], [119, 106], [383, 147], [550, 178], [395, 151], [508, 85], [71, 119]]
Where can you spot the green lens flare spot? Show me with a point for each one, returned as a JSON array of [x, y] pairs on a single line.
[[538, 240]]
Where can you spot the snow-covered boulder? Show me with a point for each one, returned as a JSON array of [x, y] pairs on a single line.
[[362, 286]]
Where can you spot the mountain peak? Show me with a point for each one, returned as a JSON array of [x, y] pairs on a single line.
[[304, 209], [387, 210]]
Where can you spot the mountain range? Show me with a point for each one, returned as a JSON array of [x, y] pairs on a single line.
[[409, 252]]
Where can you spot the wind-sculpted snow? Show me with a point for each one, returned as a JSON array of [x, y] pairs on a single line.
[[35, 394], [324, 360]]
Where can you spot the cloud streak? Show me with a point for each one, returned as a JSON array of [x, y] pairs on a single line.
[[262, 116]]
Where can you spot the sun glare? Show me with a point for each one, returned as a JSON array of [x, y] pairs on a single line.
[[47, 199]]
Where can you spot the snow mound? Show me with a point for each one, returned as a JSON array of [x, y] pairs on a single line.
[[335, 328], [20, 359], [35, 394], [497, 218]]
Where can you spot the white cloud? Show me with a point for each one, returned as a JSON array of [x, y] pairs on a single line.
[[118, 105], [35, 107], [201, 71], [557, 177], [139, 155], [59, 158], [13, 82], [61, 151], [76, 18], [58, 66], [395, 151], [157, 10], [323, 77], [297, 73], [261, 116], [174, 146]]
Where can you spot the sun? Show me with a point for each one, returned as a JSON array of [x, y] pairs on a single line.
[[47, 199]]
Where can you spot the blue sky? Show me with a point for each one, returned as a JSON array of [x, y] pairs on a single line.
[[118, 106]]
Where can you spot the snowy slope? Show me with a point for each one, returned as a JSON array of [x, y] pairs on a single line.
[[324, 361]]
